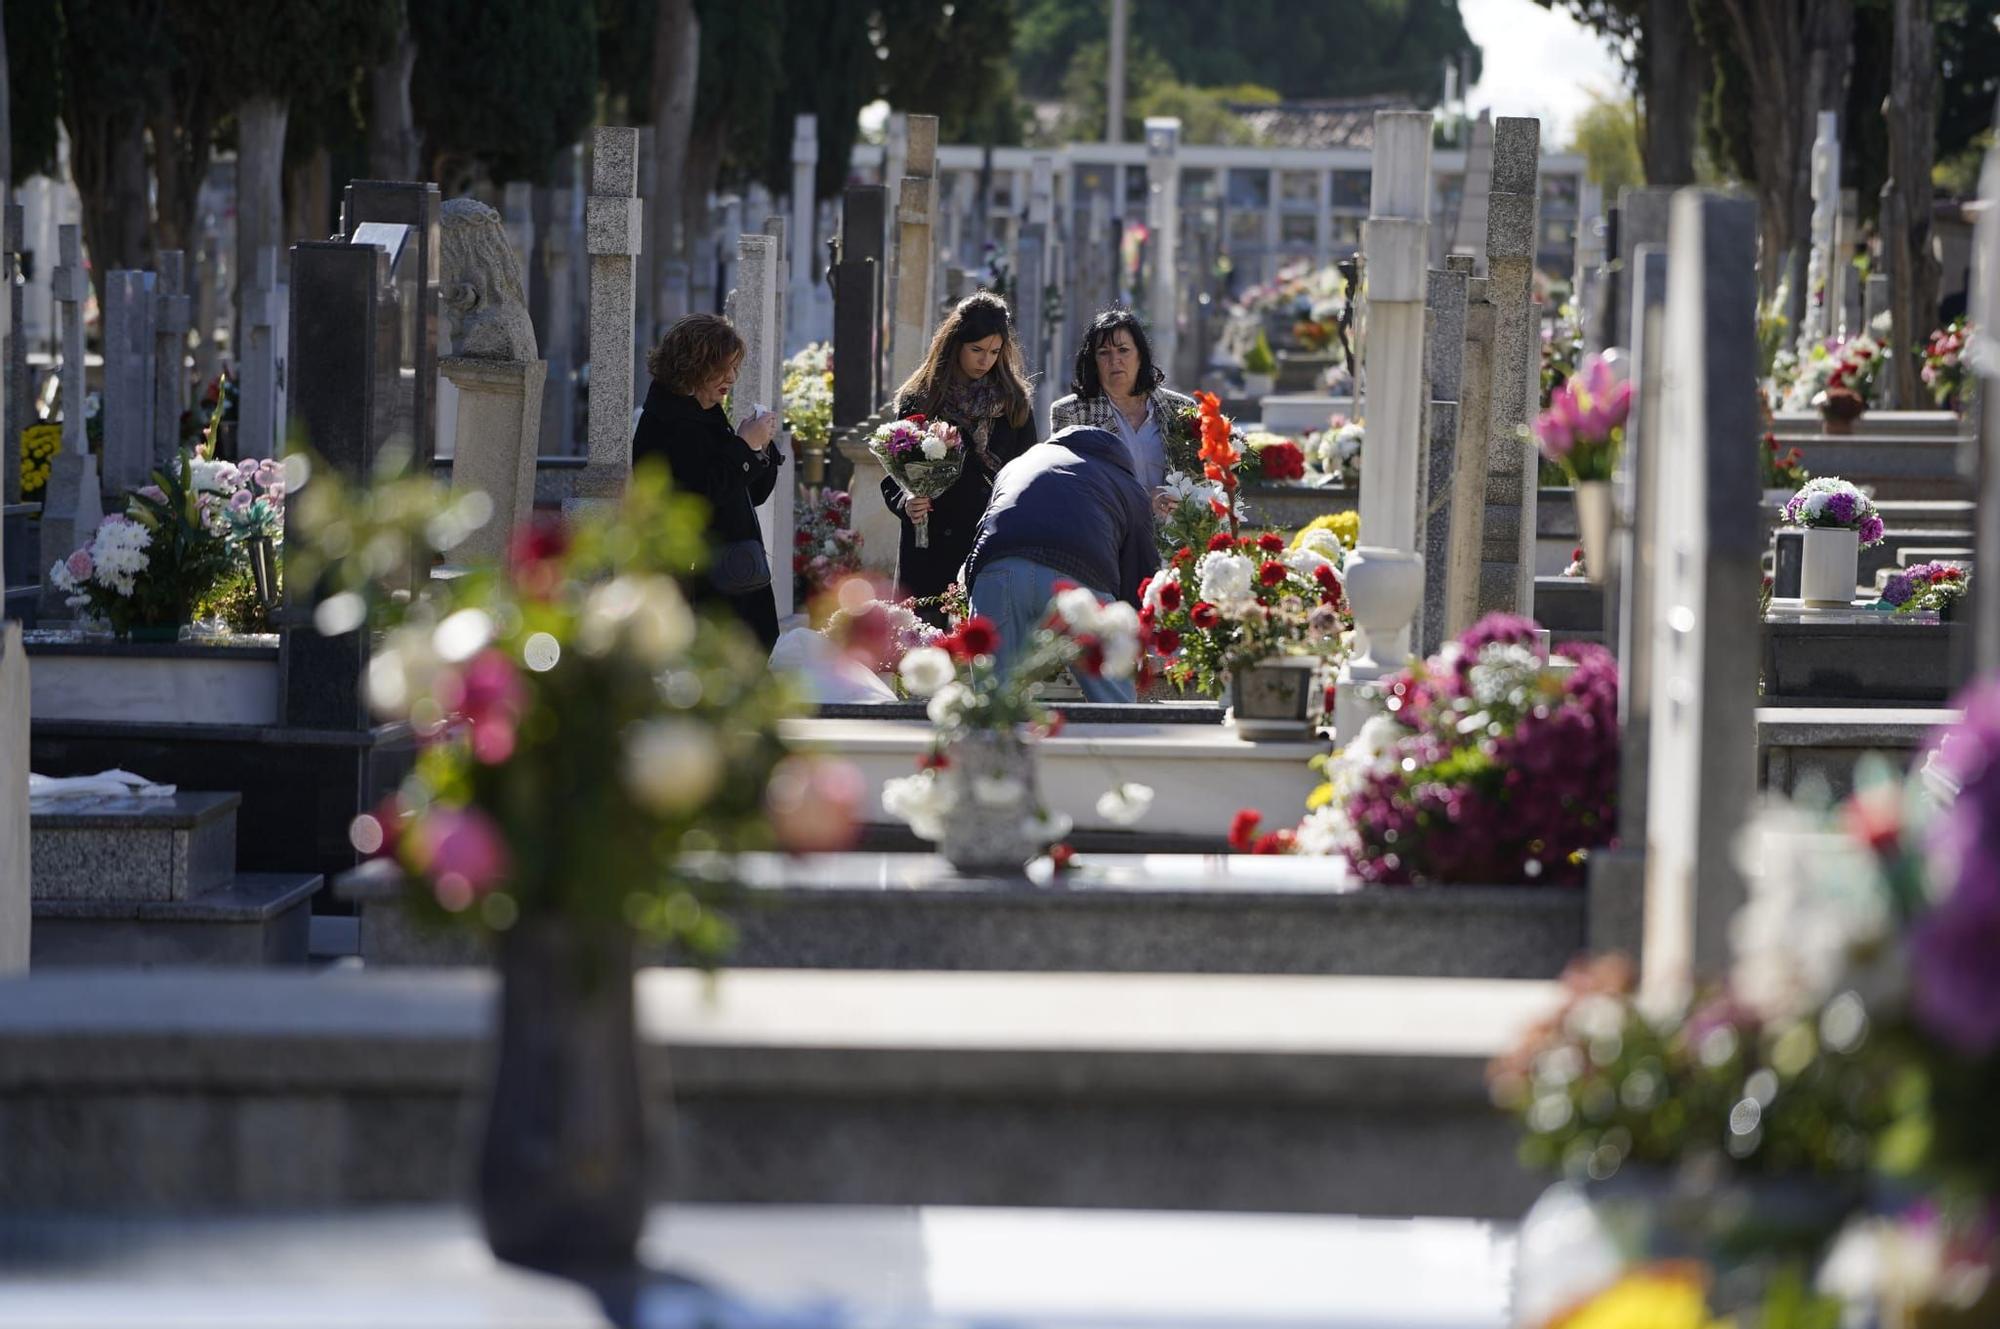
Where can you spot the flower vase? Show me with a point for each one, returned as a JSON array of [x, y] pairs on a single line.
[[1838, 425], [992, 828], [562, 1166], [1593, 523], [1829, 566], [1257, 386], [1273, 698]]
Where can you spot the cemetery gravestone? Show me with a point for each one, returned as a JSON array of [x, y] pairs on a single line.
[[1822, 293], [72, 504], [1468, 477], [16, 911], [805, 165], [128, 379], [614, 227], [172, 316], [755, 314], [1470, 237], [258, 416], [1507, 582], [1706, 643], [858, 386], [916, 209], [413, 405], [1984, 318], [1444, 362]]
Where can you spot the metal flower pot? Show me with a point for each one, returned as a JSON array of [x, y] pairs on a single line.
[[1273, 699]]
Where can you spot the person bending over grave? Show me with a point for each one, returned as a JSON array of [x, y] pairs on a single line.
[[1116, 386], [735, 469], [1068, 510], [971, 376]]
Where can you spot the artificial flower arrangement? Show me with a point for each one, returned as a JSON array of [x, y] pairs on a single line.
[[1583, 429], [1781, 468], [1831, 503], [1272, 458], [1849, 368], [1944, 370], [980, 765], [39, 445], [179, 548], [808, 395], [1315, 334], [1562, 350], [1931, 586], [1852, 1053], [924, 457], [576, 674], [1488, 765], [1335, 452], [826, 549], [1199, 506]]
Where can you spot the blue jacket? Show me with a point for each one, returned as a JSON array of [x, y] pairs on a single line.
[[1073, 504]]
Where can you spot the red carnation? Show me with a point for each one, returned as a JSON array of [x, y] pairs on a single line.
[[1170, 595], [1146, 616], [916, 419], [1091, 661], [1061, 584], [1243, 829], [1327, 577], [1271, 542], [1204, 614], [1183, 554], [1061, 856], [933, 761], [1144, 586], [979, 636], [534, 553], [1271, 573], [1219, 541], [1167, 640], [1272, 842], [1283, 461]]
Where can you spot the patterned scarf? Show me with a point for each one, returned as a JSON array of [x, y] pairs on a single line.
[[975, 403]]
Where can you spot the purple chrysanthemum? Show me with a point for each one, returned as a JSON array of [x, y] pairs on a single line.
[[1956, 982], [1871, 530], [1841, 507], [1898, 589]]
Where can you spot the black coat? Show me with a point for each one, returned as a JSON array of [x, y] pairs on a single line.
[[707, 458], [955, 513]]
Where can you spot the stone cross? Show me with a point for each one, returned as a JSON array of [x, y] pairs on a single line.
[[1385, 575], [257, 412], [1706, 643], [1163, 212], [645, 318], [1468, 475], [755, 313], [613, 226], [1507, 582], [1444, 366], [14, 369], [208, 265], [1822, 264], [128, 378], [172, 316], [1470, 236], [802, 248], [916, 206], [72, 503]]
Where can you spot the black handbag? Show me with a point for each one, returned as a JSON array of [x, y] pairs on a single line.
[[741, 566]]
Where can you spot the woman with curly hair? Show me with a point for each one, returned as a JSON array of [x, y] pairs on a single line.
[[972, 377], [1117, 387], [734, 468]]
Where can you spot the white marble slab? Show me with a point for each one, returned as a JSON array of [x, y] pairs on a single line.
[[225, 689]]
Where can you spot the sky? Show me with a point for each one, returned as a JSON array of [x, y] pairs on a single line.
[[1537, 62]]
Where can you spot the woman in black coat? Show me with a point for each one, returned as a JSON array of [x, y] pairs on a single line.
[[971, 376], [735, 469]]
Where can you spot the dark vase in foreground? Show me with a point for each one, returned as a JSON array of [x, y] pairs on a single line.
[[562, 1168]]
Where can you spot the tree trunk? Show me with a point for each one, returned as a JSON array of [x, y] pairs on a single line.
[[1672, 91], [309, 197], [1767, 37], [1907, 197], [392, 133], [180, 160], [704, 160], [1828, 35], [260, 190], [108, 162], [676, 58], [6, 122]]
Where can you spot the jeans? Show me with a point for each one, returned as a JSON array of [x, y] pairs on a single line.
[[1015, 594]]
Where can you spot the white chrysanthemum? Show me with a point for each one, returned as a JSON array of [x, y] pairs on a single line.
[[1118, 619], [1305, 561], [1227, 580], [1158, 584], [947, 703], [927, 669], [1501, 671], [1325, 832], [922, 801], [932, 447], [1124, 804], [1078, 608], [1325, 543]]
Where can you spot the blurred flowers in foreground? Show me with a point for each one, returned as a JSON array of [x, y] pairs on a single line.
[[591, 743]]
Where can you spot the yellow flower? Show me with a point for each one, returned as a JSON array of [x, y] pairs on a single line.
[[1663, 1297], [1319, 798], [1345, 525]]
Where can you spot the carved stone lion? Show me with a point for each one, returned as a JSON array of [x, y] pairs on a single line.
[[480, 286]]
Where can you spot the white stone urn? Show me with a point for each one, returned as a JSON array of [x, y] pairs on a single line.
[[1594, 522], [1829, 566], [1383, 589]]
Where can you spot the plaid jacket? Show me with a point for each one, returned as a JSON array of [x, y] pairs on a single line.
[[1183, 447]]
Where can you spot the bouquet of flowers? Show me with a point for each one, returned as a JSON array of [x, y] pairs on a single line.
[[924, 457], [1584, 426], [1241, 600], [1272, 458], [1782, 468], [1314, 334], [808, 395], [825, 548], [1489, 766], [1833, 504], [1850, 366], [1944, 364], [880, 633], [1336, 450], [1345, 527], [1562, 348], [151, 566], [39, 446], [1199, 508], [1932, 586]]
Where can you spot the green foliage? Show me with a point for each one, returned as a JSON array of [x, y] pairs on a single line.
[[742, 49], [34, 85], [1607, 134], [1311, 48], [302, 51], [1258, 359], [506, 83], [831, 72]]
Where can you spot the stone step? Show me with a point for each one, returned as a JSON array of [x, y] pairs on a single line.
[[255, 918], [125, 848], [1823, 744], [1795, 425], [1116, 913], [1210, 1092], [1863, 657], [1891, 466]]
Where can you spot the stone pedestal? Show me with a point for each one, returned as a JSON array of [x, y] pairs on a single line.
[[15, 886], [499, 414]]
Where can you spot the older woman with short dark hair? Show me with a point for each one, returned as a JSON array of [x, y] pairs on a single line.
[[734, 468], [1117, 387]]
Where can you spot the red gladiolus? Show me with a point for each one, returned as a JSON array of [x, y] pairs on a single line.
[[1271, 573], [1219, 541], [1271, 542], [1219, 508], [1168, 641], [1204, 615], [1170, 596], [1243, 829], [979, 636]]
